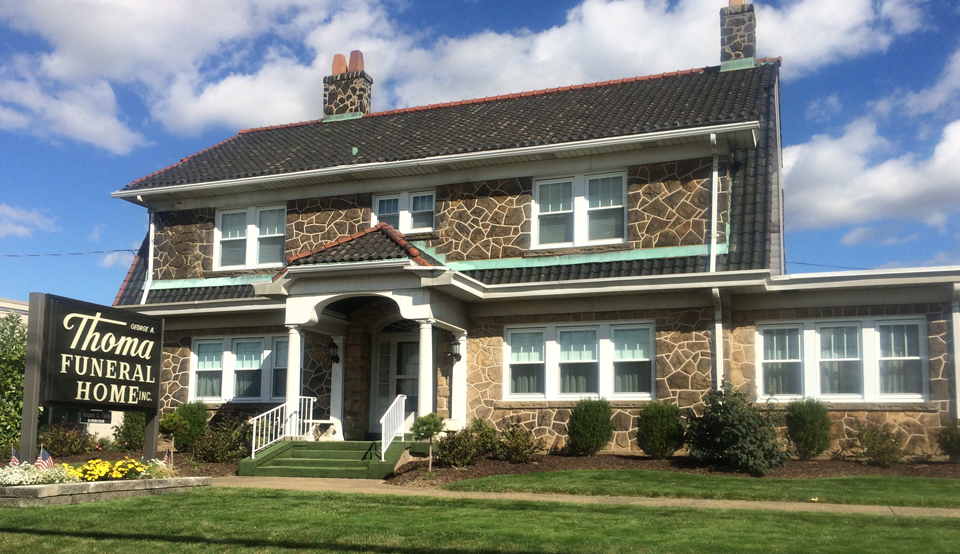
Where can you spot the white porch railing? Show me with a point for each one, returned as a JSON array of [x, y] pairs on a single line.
[[391, 424], [275, 425]]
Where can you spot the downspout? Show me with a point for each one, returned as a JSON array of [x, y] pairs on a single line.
[[715, 198], [718, 336], [956, 342], [149, 280]]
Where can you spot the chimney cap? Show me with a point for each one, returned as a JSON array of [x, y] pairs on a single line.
[[339, 64], [737, 3], [356, 61]]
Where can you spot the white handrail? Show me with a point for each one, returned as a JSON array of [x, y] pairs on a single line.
[[271, 426], [391, 424]]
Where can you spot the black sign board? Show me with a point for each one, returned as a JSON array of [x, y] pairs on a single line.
[[95, 417], [99, 358]]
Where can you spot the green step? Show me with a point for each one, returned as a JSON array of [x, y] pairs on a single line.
[[298, 462], [339, 445], [319, 472], [331, 454]]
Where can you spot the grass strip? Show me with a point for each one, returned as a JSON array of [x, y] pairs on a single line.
[[259, 520], [866, 490]]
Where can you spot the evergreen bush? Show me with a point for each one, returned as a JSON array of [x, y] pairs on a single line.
[[64, 439], [949, 440], [808, 426], [879, 446], [427, 427], [129, 434], [486, 434], [224, 441], [517, 444], [13, 352], [734, 432], [460, 449], [590, 427], [660, 430], [196, 415]]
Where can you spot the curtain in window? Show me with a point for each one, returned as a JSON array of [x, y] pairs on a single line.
[[903, 373], [526, 368], [556, 215], [233, 242], [840, 366], [280, 369], [249, 356], [630, 372], [782, 377], [605, 196], [578, 346], [422, 211], [209, 369], [388, 211], [272, 231]]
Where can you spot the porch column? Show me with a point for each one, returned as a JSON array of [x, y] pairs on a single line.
[[458, 384], [294, 357], [336, 382], [427, 369]]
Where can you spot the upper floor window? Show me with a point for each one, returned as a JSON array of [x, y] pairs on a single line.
[[580, 210], [866, 359], [250, 237], [407, 212]]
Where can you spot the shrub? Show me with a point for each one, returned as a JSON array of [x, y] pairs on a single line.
[[590, 427], [64, 439], [460, 449], [173, 424], [223, 441], [879, 446], [156, 469], [427, 427], [949, 439], [486, 434], [660, 430], [13, 344], [734, 432], [129, 434], [196, 416], [808, 426], [517, 445]]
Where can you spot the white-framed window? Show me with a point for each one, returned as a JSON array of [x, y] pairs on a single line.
[[250, 237], [609, 360], [407, 212], [238, 368], [580, 210], [844, 360]]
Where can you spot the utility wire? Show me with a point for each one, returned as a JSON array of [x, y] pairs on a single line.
[[65, 254], [831, 266]]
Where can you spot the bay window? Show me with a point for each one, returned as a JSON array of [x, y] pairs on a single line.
[[580, 210], [250, 237], [238, 369]]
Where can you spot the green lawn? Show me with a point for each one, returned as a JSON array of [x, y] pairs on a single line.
[[257, 520], [879, 490]]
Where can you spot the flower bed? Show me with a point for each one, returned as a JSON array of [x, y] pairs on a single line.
[[91, 471]]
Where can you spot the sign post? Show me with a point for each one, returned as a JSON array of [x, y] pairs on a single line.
[[90, 357]]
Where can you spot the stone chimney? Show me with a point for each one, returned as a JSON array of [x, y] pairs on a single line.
[[738, 33], [347, 90]]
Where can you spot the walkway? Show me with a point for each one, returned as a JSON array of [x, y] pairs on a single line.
[[364, 486]]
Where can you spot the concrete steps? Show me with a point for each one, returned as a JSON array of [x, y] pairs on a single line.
[[333, 459]]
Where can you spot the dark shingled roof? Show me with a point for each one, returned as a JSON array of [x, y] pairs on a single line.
[[131, 290], [380, 242], [616, 108]]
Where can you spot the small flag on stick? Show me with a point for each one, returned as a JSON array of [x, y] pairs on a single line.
[[44, 460], [168, 458], [14, 458]]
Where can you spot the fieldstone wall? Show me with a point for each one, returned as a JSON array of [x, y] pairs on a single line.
[[183, 243], [738, 32], [916, 423], [683, 372], [669, 203], [441, 340], [348, 92], [313, 222], [317, 371]]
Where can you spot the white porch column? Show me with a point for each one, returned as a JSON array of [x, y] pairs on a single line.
[[427, 369], [294, 357], [458, 384], [336, 383]]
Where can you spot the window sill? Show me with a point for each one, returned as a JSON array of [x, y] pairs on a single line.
[[882, 406], [540, 404]]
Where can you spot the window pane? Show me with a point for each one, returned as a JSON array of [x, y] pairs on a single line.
[[632, 377], [391, 220], [782, 378], [209, 355], [839, 342], [526, 379], [280, 354], [422, 220], [578, 346], [556, 228], [387, 206], [606, 224], [422, 203], [556, 197], [578, 378], [271, 222], [234, 225], [408, 358], [270, 250], [247, 384], [605, 192], [526, 347], [280, 382], [631, 344], [901, 377], [233, 252], [840, 377], [208, 383], [781, 344], [248, 354], [409, 388], [899, 341]]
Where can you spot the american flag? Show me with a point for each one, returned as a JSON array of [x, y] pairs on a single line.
[[44, 460], [168, 458], [14, 458]]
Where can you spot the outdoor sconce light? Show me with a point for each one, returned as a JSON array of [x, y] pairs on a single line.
[[334, 349], [455, 349]]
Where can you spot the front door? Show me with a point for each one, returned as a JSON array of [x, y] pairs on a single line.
[[395, 369]]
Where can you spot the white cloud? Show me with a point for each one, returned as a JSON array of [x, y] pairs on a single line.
[[22, 223], [246, 63], [886, 236], [122, 259], [832, 182], [96, 232], [941, 258], [824, 110], [945, 91]]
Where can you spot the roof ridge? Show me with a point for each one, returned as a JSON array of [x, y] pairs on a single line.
[[184, 160]]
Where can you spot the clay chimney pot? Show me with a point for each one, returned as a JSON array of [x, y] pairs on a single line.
[[340, 64], [737, 2], [356, 61]]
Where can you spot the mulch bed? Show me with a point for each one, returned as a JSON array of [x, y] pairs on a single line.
[[181, 462], [414, 474]]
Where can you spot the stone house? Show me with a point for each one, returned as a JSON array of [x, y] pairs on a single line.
[[503, 257]]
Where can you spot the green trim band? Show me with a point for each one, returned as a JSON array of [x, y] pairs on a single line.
[[211, 282], [344, 116], [733, 65]]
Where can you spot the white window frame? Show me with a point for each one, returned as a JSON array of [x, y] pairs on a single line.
[[228, 367], [869, 338], [251, 250], [605, 352], [580, 208], [405, 206]]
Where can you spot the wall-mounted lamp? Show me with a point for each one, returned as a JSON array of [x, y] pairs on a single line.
[[455, 349], [334, 349]]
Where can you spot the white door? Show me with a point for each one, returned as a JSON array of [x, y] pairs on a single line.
[[396, 366]]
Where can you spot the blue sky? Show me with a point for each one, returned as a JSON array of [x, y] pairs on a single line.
[[95, 94]]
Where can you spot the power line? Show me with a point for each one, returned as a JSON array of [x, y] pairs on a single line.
[[831, 266], [66, 254]]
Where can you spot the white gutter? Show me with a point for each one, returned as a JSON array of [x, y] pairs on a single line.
[[715, 196], [718, 336], [149, 279], [355, 171], [956, 348]]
